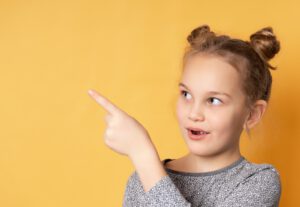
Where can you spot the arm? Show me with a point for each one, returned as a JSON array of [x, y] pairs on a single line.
[[159, 190], [125, 135], [261, 189], [149, 168]]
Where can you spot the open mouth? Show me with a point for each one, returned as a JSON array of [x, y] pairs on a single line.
[[198, 132]]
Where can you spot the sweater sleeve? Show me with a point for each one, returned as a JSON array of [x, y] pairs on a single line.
[[133, 192], [163, 194], [261, 189]]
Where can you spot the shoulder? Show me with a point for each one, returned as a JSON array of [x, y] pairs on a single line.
[[256, 184], [265, 173], [261, 178], [264, 170]]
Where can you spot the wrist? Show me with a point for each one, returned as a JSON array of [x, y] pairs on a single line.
[[143, 156], [149, 168], [144, 150]]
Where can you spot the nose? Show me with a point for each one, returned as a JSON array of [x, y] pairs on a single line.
[[196, 114]]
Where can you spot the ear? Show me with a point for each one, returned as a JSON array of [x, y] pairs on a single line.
[[255, 114]]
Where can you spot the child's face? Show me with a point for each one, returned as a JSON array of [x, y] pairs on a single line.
[[220, 115]]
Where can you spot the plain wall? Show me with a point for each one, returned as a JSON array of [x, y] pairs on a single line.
[[51, 52]]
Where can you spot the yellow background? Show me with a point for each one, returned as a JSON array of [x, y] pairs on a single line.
[[51, 52]]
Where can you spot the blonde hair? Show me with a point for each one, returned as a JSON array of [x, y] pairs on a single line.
[[249, 58]]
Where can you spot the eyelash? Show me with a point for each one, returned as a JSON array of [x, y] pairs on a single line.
[[182, 92]]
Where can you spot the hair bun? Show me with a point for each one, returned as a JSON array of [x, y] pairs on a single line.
[[200, 35], [264, 42]]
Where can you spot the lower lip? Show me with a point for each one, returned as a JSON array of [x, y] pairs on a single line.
[[196, 136]]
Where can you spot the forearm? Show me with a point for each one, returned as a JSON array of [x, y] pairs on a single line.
[[149, 168]]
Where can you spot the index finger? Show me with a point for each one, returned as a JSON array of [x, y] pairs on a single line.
[[104, 102]]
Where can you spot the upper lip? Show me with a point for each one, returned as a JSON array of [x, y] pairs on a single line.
[[196, 129]]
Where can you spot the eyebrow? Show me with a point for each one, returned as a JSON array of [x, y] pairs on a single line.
[[209, 92]]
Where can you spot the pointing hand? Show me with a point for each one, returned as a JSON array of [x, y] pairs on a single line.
[[123, 134]]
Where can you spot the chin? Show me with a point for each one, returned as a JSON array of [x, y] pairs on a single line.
[[198, 148], [200, 152], [204, 149]]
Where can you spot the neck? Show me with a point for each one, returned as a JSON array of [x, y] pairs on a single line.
[[199, 163]]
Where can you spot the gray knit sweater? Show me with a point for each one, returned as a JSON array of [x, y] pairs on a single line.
[[241, 184]]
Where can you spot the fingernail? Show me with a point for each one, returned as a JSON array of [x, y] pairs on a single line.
[[90, 92]]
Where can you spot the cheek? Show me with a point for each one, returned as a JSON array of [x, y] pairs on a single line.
[[228, 123], [181, 111], [224, 120]]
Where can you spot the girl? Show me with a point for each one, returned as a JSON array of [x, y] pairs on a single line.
[[224, 89]]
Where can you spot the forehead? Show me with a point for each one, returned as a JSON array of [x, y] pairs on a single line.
[[211, 73]]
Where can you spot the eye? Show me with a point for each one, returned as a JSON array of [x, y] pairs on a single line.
[[183, 92], [213, 98]]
